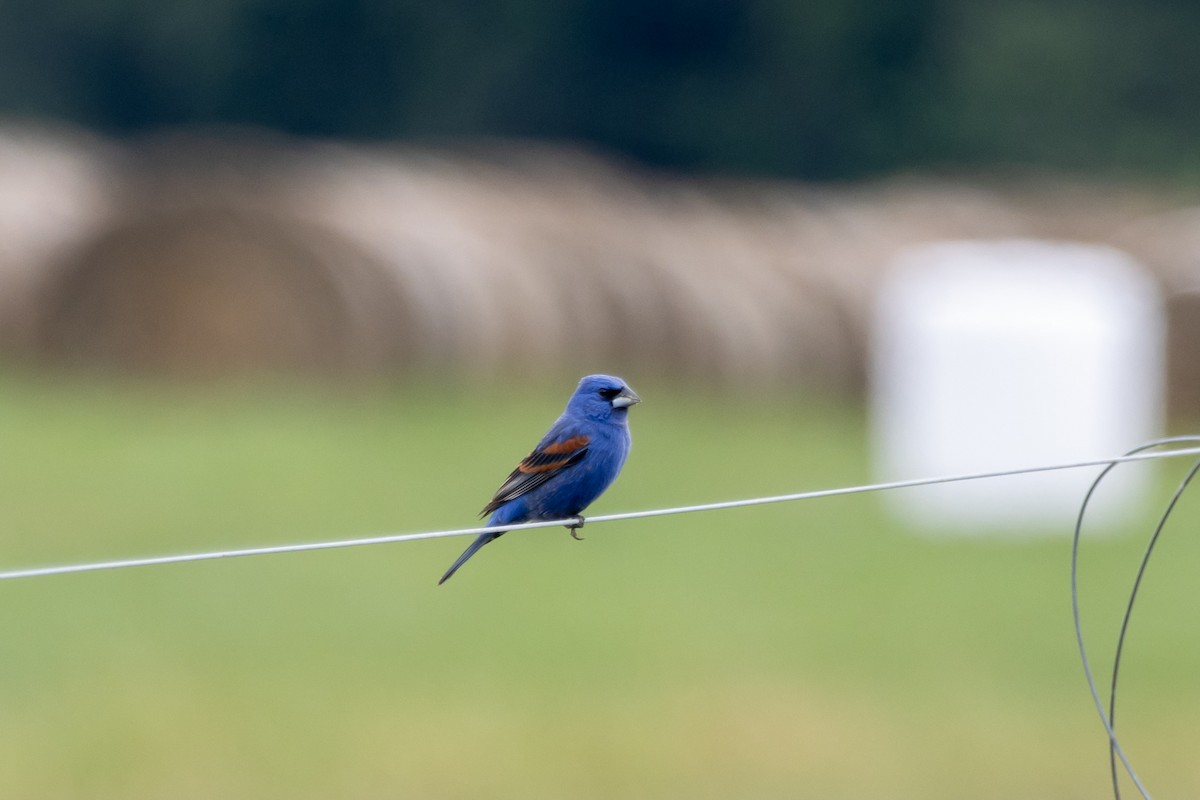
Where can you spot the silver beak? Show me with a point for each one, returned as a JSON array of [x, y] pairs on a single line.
[[626, 398]]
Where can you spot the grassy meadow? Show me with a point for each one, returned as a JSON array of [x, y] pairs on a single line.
[[810, 649]]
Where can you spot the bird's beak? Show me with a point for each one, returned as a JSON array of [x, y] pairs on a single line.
[[626, 398]]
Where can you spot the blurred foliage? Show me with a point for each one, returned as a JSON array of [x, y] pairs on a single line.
[[819, 90]]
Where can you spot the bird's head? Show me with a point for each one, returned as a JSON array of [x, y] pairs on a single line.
[[603, 396]]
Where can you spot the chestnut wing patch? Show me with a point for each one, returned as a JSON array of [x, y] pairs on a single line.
[[537, 468], [554, 456]]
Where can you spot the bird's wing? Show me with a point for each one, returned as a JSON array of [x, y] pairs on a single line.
[[549, 459]]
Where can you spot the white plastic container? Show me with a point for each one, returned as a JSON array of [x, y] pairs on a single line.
[[996, 355]]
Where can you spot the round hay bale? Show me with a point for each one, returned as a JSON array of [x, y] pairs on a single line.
[[212, 291], [57, 188], [1183, 366]]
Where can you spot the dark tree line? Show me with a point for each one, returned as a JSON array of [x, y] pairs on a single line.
[[824, 89]]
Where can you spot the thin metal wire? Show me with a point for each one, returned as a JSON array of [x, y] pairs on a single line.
[[35, 572], [1115, 751], [1137, 583], [1133, 594]]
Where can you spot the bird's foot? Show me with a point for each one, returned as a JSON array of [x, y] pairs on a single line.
[[575, 526]]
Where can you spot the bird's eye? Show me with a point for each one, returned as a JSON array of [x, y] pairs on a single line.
[[609, 394]]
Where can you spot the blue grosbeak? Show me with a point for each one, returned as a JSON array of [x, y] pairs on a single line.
[[577, 459]]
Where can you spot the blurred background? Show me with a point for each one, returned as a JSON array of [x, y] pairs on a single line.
[[276, 272]]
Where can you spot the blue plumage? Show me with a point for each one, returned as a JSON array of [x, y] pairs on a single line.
[[577, 459]]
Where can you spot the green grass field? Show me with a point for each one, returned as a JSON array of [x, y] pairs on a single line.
[[799, 650]]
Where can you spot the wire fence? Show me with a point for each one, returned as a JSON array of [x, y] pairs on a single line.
[[1108, 716], [1170, 447], [395, 538]]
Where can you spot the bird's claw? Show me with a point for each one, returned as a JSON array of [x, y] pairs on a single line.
[[575, 526]]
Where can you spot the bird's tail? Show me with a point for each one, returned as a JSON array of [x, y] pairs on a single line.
[[471, 550]]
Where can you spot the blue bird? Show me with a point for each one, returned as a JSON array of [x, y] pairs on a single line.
[[577, 459]]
